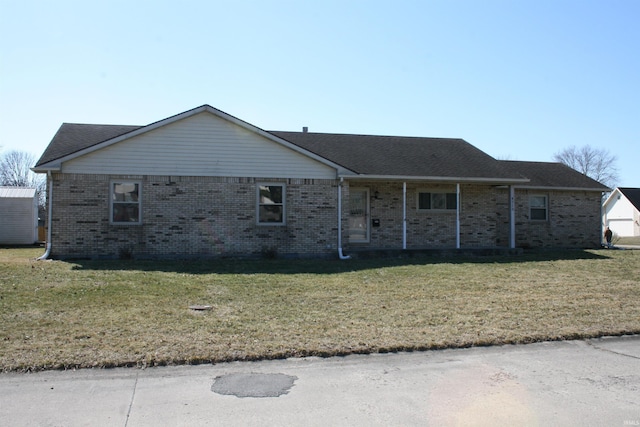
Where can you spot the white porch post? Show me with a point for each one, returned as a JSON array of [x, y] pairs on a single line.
[[512, 218], [404, 215], [340, 254], [458, 216]]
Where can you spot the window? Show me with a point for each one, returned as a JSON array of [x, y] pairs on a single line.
[[538, 208], [125, 202], [271, 204], [437, 201]]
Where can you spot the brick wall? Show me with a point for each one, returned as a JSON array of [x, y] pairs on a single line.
[[433, 229], [191, 217], [574, 220], [185, 217]]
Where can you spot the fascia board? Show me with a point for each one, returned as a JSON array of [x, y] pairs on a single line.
[[533, 187], [248, 126], [51, 166], [278, 140], [447, 179], [140, 131]]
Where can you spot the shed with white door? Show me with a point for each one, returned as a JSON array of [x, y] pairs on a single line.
[[18, 216]]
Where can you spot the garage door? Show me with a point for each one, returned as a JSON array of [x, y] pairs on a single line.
[[622, 227]]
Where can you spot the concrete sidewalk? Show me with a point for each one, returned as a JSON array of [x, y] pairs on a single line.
[[572, 383]]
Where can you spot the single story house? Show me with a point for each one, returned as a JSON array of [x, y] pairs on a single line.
[[18, 216], [621, 212], [204, 183]]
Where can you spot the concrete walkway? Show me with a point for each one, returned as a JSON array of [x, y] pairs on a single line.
[[572, 383]]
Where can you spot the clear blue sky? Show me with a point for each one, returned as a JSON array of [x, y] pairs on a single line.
[[520, 80]]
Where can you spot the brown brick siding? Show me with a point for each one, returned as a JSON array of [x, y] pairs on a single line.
[[187, 217], [574, 220], [191, 217], [437, 229]]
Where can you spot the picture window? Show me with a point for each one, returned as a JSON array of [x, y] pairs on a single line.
[[437, 201]]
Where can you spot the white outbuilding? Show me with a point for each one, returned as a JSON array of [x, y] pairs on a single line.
[[18, 216], [621, 212]]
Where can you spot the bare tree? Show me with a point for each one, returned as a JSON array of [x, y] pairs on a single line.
[[15, 171], [596, 163]]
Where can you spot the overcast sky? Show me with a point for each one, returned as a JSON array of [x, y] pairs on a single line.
[[520, 80]]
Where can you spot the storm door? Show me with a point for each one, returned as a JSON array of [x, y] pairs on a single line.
[[358, 215]]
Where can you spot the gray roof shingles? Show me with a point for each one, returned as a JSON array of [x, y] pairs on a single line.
[[445, 158], [402, 156], [73, 137], [549, 175]]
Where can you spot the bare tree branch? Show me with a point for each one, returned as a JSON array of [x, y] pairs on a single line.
[[596, 163], [15, 171]]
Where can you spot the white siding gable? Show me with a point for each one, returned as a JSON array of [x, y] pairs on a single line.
[[619, 208], [200, 145]]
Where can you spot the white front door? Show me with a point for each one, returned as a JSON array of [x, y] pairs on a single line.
[[358, 215]]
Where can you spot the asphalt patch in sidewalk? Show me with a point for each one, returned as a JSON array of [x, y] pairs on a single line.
[[253, 384]]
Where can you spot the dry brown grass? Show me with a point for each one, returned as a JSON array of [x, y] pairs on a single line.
[[634, 241], [57, 315]]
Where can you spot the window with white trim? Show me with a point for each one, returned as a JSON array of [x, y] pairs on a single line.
[[125, 200], [271, 204], [437, 201], [538, 208]]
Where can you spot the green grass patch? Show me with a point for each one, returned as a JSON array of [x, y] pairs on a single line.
[[57, 315]]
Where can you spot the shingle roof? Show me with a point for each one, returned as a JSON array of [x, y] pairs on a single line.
[[633, 194], [552, 175], [402, 156], [367, 155], [73, 137]]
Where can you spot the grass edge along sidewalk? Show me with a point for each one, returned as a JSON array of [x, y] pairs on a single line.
[[84, 314]]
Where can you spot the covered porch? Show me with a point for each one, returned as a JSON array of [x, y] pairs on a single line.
[[417, 215]]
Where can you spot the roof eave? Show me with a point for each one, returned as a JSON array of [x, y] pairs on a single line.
[[542, 187], [47, 167], [139, 131], [144, 129], [447, 179]]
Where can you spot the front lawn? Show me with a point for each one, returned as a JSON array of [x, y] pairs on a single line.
[[628, 241], [57, 314]]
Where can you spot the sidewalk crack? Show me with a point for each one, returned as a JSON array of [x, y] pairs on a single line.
[[133, 396], [592, 344]]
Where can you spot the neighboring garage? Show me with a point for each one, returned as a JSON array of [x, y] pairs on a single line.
[[18, 216], [621, 212], [622, 227]]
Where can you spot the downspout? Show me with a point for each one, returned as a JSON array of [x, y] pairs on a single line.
[[404, 215], [604, 217], [458, 216], [512, 218], [47, 251], [340, 254]]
